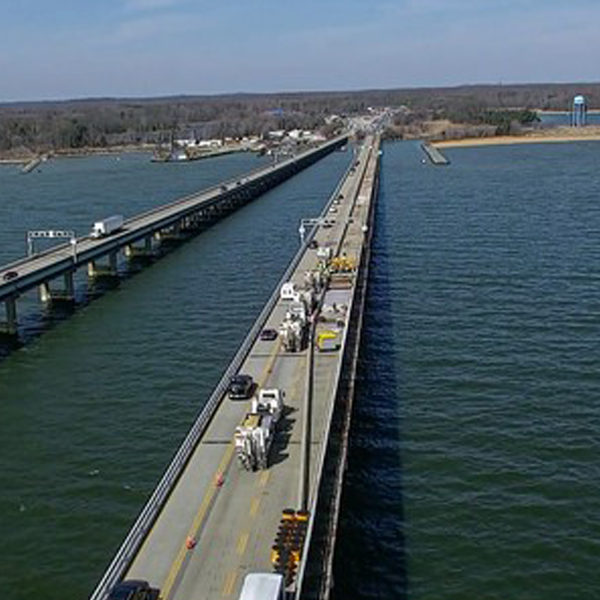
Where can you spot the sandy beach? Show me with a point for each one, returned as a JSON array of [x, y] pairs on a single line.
[[554, 135]]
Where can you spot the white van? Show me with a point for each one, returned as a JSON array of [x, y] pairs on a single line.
[[262, 586]]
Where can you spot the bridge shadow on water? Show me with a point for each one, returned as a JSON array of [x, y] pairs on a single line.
[[370, 556]]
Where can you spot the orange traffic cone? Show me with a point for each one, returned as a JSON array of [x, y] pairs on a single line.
[[190, 542]]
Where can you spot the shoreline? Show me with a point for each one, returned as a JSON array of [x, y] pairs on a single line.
[[82, 153], [505, 140]]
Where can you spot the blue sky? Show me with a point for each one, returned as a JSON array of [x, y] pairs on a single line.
[[68, 48]]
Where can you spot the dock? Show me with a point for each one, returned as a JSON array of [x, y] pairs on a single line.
[[31, 165], [434, 155], [210, 522]]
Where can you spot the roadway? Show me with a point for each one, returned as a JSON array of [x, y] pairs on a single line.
[[40, 268], [235, 523]]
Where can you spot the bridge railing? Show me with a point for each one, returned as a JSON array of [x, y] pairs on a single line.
[[143, 524], [190, 197], [234, 180]]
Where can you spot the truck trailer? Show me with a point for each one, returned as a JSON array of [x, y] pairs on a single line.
[[107, 226]]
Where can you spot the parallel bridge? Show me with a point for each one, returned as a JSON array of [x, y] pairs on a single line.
[[187, 214]]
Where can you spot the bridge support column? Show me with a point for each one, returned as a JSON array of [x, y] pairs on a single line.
[[128, 250], [112, 262], [69, 286], [45, 292], [91, 269], [11, 316], [158, 235], [148, 244]]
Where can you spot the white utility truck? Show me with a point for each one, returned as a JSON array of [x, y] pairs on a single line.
[[253, 438]]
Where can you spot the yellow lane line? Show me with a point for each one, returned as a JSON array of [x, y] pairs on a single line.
[[268, 369], [178, 562], [200, 515], [242, 543], [264, 477], [229, 583], [254, 504]]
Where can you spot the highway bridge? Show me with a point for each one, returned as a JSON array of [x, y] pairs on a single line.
[[185, 215], [210, 522]]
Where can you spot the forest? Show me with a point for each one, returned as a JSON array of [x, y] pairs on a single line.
[[53, 126]]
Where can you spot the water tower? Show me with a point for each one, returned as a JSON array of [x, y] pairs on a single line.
[[579, 111]]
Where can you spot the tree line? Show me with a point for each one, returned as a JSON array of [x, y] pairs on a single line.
[[98, 123]]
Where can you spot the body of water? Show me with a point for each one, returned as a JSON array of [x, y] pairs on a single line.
[[474, 460], [565, 118], [474, 451]]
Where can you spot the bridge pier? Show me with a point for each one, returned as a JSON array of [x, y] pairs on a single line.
[[174, 234], [93, 270], [147, 251], [45, 292], [9, 328], [69, 285], [112, 262], [66, 295]]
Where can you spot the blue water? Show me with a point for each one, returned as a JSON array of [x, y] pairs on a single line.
[[565, 118], [474, 460]]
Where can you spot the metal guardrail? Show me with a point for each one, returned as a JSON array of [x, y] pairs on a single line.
[[140, 529]]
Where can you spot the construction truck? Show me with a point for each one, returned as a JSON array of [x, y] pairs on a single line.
[[294, 327], [253, 438], [328, 340]]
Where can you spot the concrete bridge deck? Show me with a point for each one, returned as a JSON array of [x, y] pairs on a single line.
[[64, 259], [235, 523]]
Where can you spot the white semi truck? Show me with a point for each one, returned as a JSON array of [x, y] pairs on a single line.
[[253, 438], [263, 586], [107, 226]]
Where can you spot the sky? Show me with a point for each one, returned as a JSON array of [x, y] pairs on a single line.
[[59, 49]]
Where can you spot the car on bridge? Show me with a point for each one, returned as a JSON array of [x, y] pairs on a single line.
[[9, 275], [133, 589], [240, 387], [268, 335]]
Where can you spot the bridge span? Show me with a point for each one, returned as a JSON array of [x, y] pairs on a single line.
[[186, 215], [210, 522]]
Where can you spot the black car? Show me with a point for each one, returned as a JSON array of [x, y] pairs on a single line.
[[241, 387], [268, 335], [133, 589], [10, 275]]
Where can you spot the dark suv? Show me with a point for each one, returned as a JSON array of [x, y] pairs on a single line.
[[10, 275], [133, 589], [241, 387]]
